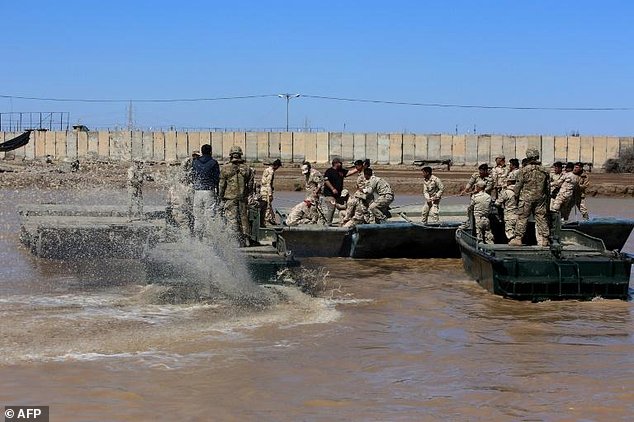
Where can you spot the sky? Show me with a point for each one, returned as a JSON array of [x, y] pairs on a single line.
[[536, 54]]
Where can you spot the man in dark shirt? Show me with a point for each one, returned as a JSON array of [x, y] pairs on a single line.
[[205, 177], [333, 185]]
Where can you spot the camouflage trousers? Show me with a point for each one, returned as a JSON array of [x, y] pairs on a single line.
[[380, 206], [267, 209], [563, 204], [583, 208], [360, 214], [430, 212], [539, 210], [483, 229], [135, 202], [510, 220], [237, 218], [328, 207]]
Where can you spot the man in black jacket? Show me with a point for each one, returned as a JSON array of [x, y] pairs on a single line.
[[205, 175]]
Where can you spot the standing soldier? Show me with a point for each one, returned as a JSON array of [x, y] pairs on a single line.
[[380, 205], [266, 191], [481, 175], [565, 188], [432, 192], [499, 174], [507, 200], [558, 167], [481, 204], [532, 189], [514, 167], [205, 173], [136, 176], [236, 185], [580, 193], [333, 185], [313, 180]]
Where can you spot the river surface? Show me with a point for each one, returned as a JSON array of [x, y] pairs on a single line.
[[391, 340]]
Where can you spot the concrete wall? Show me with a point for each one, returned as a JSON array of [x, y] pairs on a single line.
[[382, 148]]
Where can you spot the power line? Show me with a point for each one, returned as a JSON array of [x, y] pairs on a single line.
[[138, 100], [480, 106], [318, 97]]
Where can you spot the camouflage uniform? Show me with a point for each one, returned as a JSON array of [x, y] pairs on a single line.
[[532, 190], [314, 181], [580, 195], [357, 210], [565, 187], [432, 192], [498, 177], [266, 194], [508, 201], [379, 207], [236, 185], [301, 213], [475, 178], [481, 204], [136, 176]]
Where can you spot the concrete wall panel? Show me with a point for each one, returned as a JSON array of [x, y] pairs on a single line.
[[299, 147], [263, 146], [446, 146], [286, 145], [535, 141], [600, 151], [147, 146], [334, 143], [409, 148], [251, 146], [358, 146], [137, 145], [274, 145], [383, 148], [310, 146], [396, 148], [194, 142], [29, 149], [227, 143], [612, 147], [82, 144], [574, 148], [548, 150], [433, 147], [372, 147], [60, 144], [93, 144], [420, 146], [471, 142], [347, 146], [586, 145], [240, 139], [497, 147], [484, 149], [625, 142], [217, 147], [40, 144], [508, 147], [158, 144], [323, 153], [170, 146], [561, 148], [459, 149], [521, 145], [182, 146]]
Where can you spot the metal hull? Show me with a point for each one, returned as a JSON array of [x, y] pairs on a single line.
[[534, 273]]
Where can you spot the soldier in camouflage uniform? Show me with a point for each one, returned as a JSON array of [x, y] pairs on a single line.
[[236, 185], [565, 187], [558, 167], [383, 196], [481, 175], [580, 193], [302, 213], [532, 189], [136, 177], [313, 179], [499, 174], [357, 210], [514, 167], [481, 205], [507, 200], [266, 191], [432, 192]]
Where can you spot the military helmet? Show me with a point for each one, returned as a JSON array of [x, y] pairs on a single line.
[[532, 153], [235, 150]]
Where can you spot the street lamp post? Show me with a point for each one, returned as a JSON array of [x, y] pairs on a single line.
[[288, 99]]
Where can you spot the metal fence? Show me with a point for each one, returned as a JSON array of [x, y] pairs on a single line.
[[18, 121]]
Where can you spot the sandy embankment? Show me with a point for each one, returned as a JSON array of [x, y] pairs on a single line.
[[403, 178]]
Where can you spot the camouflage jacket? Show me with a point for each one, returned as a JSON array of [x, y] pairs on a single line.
[[533, 183], [236, 181], [314, 181], [507, 200], [268, 176], [376, 185], [480, 203], [499, 175], [566, 184], [475, 178], [432, 188]]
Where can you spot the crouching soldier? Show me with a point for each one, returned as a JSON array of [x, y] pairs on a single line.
[[481, 204], [383, 196], [302, 213]]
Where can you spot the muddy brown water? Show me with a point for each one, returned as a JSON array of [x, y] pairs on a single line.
[[393, 340]]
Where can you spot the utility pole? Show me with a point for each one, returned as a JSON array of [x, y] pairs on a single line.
[[288, 99], [130, 117]]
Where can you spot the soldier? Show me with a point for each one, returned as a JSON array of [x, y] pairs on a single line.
[[532, 190], [580, 193], [481, 204], [333, 185], [558, 167], [481, 175], [205, 175], [136, 177], [302, 213], [357, 211], [380, 205], [236, 185], [266, 191], [507, 200], [564, 187], [514, 167], [432, 192], [313, 180], [181, 195], [499, 174], [343, 204]]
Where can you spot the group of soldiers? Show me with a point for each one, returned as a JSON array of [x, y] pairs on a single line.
[[520, 192], [207, 190], [326, 196]]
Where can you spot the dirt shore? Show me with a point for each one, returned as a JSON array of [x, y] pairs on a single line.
[[404, 179]]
